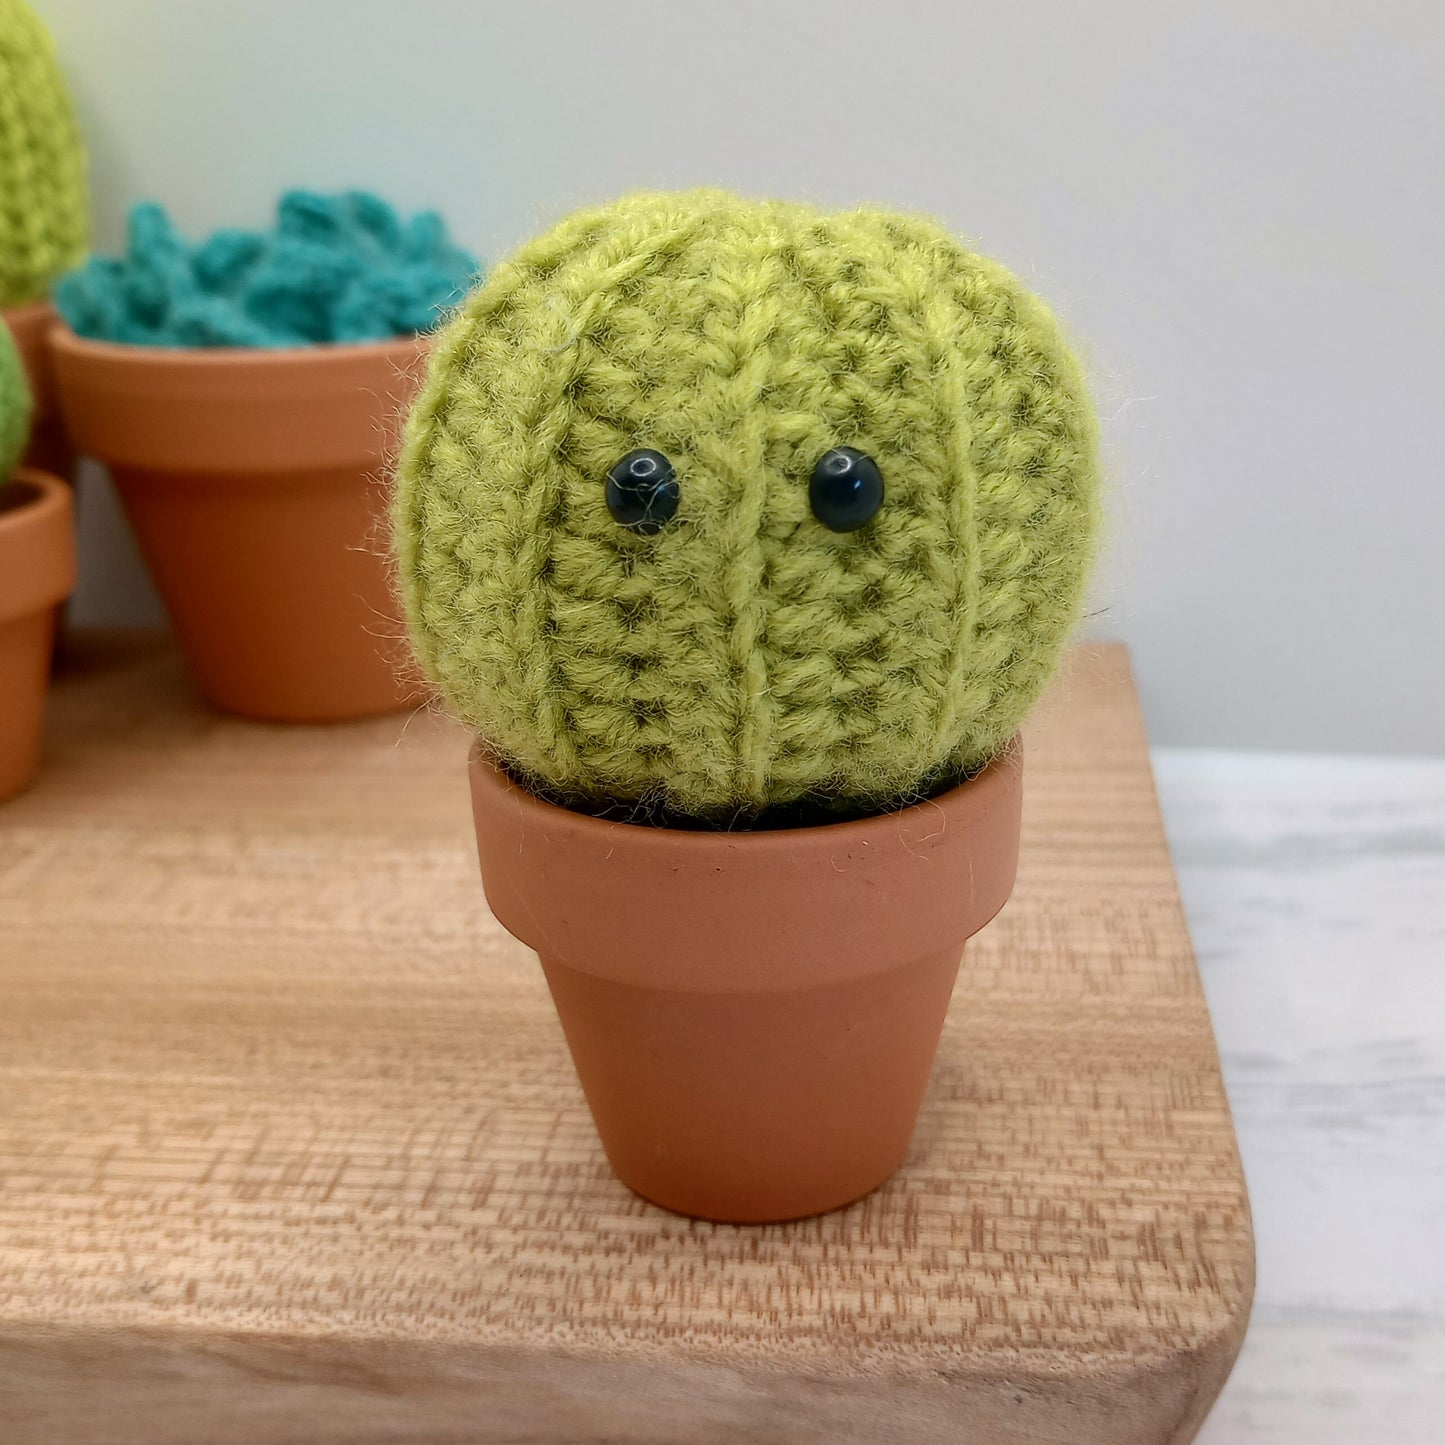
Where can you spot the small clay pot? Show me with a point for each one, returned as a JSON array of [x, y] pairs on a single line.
[[37, 573], [753, 1015], [49, 448], [255, 481]]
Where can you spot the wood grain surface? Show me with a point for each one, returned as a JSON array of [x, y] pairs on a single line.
[[292, 1149]]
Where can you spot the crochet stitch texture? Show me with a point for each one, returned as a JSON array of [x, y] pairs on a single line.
[[14, 405], [745, 656], [44, 201]]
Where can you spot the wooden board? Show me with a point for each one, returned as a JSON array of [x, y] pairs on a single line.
[[292, 1149]]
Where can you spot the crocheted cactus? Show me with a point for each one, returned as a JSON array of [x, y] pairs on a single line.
[[44, 202], [740, 650], [14, 405], [334, 269]]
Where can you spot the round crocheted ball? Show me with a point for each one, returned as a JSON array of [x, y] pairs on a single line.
[[14, 405], [745, 651], [44, 200]]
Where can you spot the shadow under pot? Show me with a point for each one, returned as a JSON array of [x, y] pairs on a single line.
[[256, 482], [37, 573], [753, 1016]]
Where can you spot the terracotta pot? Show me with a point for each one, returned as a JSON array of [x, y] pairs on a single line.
[[37, 572], [256, 485], [50, 448], [753, 1015]]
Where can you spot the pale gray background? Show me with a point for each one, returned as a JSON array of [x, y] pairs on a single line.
[[1237, 204]]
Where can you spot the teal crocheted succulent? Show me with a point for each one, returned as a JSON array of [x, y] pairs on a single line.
[[335, 269]]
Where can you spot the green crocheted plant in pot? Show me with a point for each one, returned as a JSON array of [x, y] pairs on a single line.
[[44, 201], [718, 505], [728, 517], [14, 406]]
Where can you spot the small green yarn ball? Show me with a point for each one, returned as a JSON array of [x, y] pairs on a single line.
[[745, 656], [14, 405], [44, 198]]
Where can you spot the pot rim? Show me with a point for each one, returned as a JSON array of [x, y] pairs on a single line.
[[26, 312], [237, 411], [30, 325], [41, 571], [52, 496], [993, 776], [763, 911], [309, 354]]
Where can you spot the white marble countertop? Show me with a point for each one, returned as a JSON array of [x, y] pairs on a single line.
[[1315, 889]]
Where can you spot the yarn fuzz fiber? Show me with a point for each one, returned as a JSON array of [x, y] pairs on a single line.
[[746, 657]]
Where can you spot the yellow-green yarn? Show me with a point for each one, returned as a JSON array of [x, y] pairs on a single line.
[[44, 200], [745, 656], [14, 405]]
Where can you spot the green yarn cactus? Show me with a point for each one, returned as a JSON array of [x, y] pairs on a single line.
[[14, 405], [44, 201], [738, 629]]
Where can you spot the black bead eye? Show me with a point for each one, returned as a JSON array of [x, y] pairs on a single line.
[[642, 491], [846, 490]]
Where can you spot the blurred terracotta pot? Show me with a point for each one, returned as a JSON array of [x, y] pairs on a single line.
[[50, 448], [753, 1015], [37, 572], [256, 484]]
